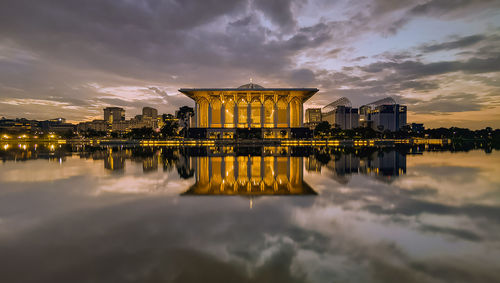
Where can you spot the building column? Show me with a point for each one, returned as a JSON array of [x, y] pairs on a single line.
[[249, 114], [288, 114], [209, 115], [196, 114], [262, 115], [275, 115], [301, 114], [235, 115], [222, 115]]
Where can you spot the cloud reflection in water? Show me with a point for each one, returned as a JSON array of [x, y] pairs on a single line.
[[419, 225]]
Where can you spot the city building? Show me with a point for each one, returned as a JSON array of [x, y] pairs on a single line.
[[384, 114], [114, 114], [250, 108], [313, 117], [95, 125], [149, 112], [341, 114], [57, 125], [18, 125]]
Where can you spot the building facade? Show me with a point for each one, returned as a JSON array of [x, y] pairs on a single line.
[[114, 114], [341, 114], [313, 117], [273, 110]]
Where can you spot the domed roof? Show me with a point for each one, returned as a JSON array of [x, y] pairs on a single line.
[[251, 86]]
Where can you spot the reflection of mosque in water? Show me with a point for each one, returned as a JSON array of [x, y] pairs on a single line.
[[266, 171], [384, 166]]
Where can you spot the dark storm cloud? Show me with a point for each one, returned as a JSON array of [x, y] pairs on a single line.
[[279, 11], [440, 8], [302, 77], [459, 43], [416, 69], [458, 102]]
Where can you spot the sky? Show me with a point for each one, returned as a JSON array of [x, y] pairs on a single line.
[[70, 58]]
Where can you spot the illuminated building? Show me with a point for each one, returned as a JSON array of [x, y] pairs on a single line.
[[313, 117], [341, 114], [272, 112]]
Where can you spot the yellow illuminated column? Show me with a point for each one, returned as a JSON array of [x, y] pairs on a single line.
[[235, 115], [288, 114], [222, 114], [276, 113]]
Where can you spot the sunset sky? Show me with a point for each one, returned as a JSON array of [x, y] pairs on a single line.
[[69, 58]]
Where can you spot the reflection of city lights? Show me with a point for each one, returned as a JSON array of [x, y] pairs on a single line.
[[52, 147], [6, 146], [24, 146]]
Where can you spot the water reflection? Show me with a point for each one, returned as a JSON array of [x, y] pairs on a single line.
[[117, 214], [384, 165]]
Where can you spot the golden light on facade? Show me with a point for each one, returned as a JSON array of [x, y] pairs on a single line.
[[248, 106]]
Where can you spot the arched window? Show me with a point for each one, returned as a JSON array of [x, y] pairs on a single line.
[[242, 113], [282, 113], [269, 113], [216, 115], [203, 115], [294, 113], [255, 112], [229, 112]]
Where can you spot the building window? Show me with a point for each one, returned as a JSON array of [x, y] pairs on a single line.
[[255, 112], [242, 113], [229, 113], [269, 113], [282, 113], [216, 115]]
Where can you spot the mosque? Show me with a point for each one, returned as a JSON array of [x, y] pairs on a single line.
[[249, 111]]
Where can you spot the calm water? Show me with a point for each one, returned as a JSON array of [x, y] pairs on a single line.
[[248, 215]]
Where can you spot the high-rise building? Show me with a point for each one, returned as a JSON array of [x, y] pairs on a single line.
[[149, 112], [114, 114], [384, 114], [340, 114], [389, 117]]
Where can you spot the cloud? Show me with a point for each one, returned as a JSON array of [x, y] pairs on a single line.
[[458, 102], [458, 43]]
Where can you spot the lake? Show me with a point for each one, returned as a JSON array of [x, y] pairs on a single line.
[[255, 214]]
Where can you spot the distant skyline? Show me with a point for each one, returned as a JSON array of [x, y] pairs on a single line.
[[68, 58]]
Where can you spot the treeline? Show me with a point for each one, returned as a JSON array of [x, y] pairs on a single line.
[[325, 130]]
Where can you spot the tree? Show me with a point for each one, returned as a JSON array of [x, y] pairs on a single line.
[[169, 128], [323, 128], [184, 114], [142, 133]]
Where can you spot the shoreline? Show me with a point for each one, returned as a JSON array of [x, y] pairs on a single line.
[[255, 142]]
